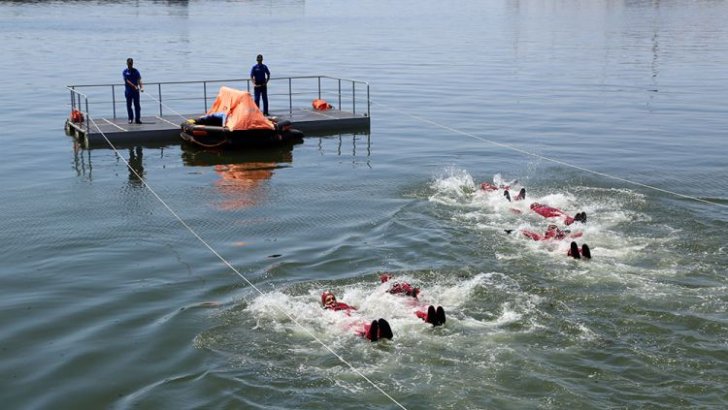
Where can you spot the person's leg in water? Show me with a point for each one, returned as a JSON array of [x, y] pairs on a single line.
[[385, 331]]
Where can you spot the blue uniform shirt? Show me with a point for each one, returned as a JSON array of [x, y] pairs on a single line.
[[133, 76], [259, 72]]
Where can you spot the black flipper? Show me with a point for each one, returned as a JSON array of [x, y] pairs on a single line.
[[521, 194], [373, 333], [385, 331], [580, 217], [507, 195], [508, 231], [431, 316], [575, 251], [441, 315], [585, 251]]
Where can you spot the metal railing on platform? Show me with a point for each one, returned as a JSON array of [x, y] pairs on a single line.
[[196, 96]]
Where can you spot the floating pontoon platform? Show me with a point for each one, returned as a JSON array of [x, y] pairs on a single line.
[[161, 127]]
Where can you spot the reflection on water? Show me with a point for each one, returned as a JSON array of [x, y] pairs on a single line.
[[136, 166], [83, 162], [360, 143], [242, 173]]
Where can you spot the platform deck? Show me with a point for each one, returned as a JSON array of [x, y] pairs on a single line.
[[166, 129]]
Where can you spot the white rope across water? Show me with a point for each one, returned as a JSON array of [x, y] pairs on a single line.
[[165, 106], [224, 261], [522, 151], [556, 161]]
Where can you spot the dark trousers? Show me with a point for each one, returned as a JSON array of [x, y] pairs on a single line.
[[133, 97], [262, 91]]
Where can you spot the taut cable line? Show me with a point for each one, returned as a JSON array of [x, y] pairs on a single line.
[[556, 161], [166, 106], [226, 263]]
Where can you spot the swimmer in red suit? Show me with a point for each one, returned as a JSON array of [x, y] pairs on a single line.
[[488, 187], [552, 232], [377, 329], [432, 315], [399, 287], [550, 212]]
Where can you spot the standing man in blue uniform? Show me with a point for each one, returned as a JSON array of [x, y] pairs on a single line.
[[132, 86], [260, 75]]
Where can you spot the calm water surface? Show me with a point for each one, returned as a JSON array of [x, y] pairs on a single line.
[[616, 108]]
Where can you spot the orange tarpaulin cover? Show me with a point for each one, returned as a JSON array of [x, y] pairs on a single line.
[[321, 105], [240, 110]]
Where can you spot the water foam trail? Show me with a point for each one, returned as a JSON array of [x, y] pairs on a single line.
[[462, 298], [491, 317], [492, 212], [643, 255]]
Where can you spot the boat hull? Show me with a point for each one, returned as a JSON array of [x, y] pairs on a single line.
[[211, 136]]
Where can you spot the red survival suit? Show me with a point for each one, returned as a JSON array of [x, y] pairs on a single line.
[[375, 330], [430, 314], [551, 212], [552, 232]]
